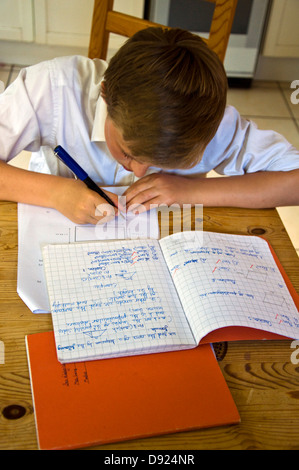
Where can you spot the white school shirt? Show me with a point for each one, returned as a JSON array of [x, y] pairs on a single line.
[[58, 102]]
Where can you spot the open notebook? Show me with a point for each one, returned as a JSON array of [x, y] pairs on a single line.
[[121, 298]]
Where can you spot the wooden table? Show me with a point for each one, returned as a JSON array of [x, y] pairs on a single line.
[[262, 379]]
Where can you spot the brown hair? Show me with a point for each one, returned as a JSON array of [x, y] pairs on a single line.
[[166, 92]]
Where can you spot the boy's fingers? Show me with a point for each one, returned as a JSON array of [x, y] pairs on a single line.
[[131, 192], [140, 208], [141, 194], [119, 201], [105, 210], [140, 186], [142, 198]]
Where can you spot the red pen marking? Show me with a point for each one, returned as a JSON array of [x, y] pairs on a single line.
[[277, 316], [216, 266], [134, 257]]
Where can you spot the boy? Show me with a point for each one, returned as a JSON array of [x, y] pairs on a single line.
[[155, 119]]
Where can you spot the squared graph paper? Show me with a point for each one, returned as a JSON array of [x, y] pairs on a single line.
[[111, 299], [229, 280]]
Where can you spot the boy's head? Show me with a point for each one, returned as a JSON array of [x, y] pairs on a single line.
[[166, 95]]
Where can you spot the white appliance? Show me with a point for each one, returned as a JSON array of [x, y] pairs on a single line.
[[244, 44]]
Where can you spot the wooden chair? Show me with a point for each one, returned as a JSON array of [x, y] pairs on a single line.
[[105, 21]]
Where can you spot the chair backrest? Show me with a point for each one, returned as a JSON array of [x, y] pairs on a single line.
[[105, 21]]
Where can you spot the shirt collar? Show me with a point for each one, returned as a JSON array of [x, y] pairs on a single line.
[[98, 134]]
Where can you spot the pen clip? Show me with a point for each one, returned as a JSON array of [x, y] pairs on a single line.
[[59, 158]]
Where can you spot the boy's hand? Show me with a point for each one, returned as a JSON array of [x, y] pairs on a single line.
[[69, 196], [252, 190], [156, 189], [82, 205]]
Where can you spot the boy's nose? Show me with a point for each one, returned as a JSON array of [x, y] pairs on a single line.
[[139, 169]]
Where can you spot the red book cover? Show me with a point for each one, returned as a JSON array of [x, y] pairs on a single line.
[[97, 402]]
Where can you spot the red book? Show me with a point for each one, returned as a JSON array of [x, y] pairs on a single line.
[[96, 402]]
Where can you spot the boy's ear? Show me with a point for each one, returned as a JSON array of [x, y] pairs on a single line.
[[103, 90]]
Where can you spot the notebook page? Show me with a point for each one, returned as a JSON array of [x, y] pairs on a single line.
[[229, 280], [111, 299]]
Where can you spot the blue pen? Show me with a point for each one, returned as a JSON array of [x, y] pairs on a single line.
[[80, 173]]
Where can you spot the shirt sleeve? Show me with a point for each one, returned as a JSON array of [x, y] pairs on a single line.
[[239, 147], [26, 112]]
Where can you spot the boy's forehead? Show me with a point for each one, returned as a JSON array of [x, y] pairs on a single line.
[[116, 132], [118, 135]]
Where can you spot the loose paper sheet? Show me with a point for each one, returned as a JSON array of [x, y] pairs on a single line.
[[39, 226]]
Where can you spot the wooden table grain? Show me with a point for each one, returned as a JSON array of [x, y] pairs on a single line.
[[260, 374]]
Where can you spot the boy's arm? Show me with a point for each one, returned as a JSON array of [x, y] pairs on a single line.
[[70, 197], [252, 190]]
